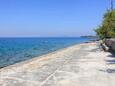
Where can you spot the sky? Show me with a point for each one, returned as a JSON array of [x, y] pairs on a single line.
[[50, 18]]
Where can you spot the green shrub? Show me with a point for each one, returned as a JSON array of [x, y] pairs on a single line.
[[107, 28]]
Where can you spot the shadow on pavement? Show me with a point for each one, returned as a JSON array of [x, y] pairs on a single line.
[[109, 62]]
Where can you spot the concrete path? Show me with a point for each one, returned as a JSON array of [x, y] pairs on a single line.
[[79, 65]]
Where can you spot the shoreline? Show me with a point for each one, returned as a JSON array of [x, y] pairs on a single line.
[[83, 64], [42, 56], [15, 53]]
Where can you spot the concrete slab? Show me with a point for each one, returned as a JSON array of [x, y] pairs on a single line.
[[78, 65]]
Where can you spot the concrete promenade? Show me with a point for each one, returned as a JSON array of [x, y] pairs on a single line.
[[79, 65]]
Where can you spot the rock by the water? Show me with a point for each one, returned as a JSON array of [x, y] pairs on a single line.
[[110, 43]]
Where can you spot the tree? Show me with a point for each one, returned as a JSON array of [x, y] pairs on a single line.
[[107, 28]]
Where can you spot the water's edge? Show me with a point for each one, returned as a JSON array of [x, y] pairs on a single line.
[[13, 50], [39, 57]]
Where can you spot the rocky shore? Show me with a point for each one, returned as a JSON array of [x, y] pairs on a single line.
[[79, 65]]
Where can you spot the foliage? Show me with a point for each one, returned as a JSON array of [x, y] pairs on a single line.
[[107, 28]]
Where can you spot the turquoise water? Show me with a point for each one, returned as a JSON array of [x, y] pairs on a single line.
[[13, 50]]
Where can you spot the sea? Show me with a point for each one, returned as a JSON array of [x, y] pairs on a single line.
[[14, 50]]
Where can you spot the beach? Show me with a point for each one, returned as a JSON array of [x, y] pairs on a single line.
[[84, 64]]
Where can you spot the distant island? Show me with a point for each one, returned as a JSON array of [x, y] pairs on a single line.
[[89, 36]]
